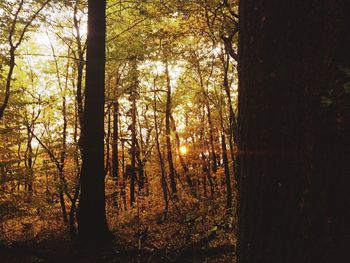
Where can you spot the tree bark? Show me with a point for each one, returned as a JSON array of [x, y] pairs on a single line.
[[92, 223], [294, 125]]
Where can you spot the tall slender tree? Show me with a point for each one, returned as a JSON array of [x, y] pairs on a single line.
[[294, 126], [115, 148], [14, 44], [167, 133], [92, 223], [133, 127]]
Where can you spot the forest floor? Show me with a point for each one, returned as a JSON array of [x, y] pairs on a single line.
[[199, 233]]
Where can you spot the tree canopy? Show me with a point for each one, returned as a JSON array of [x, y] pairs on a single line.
[[183, 129]]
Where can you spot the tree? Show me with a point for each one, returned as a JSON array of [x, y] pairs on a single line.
[[159, 152], [294, 152], [92, 223], [134, 148], [167, 133], [14, 41]]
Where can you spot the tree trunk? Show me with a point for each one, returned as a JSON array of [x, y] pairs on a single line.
[[63, 153], [115, 159], [72, 212], [294, 131], [123, 184], [232, 116], [108, 167], [133, 130], [8, 81], [207, 107], [227, 173], [92, 223], [211, 139], [182, 160], [29, 162], [79, 63], [115, 150], [161, 159], [167, 134], [63, 158]]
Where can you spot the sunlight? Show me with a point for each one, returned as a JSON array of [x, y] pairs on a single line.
[[183, 150], [162, 96], [35, 143], [158, 68], [175, 72], [83, 30], [41, 38], [217, 51]]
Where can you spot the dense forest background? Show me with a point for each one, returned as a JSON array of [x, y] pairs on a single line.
[[169, 118], [174, 131]]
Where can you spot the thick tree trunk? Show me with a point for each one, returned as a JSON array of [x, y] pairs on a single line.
[[294, 131], [92, 223]]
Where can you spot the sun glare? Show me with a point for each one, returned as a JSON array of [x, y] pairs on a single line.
[[183, 150], [41, 39]]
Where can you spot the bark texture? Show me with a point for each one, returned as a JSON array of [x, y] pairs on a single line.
[[92, 223], [294, 124]]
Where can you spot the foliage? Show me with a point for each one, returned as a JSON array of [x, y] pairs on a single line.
[[40, 153]]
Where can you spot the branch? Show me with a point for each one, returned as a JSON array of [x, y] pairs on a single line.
[[126, 30], [58, 165], [47, 55], [228, 44], [12, 30], [230, 10], [29, 22]]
